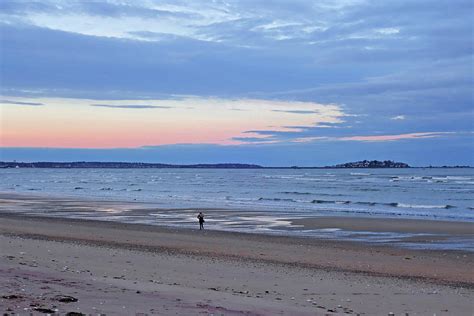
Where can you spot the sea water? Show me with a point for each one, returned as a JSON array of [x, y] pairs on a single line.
[[267, 199]]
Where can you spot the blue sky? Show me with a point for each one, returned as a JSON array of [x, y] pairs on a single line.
[[280, 83]]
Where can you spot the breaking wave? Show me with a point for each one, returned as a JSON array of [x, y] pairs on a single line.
[[276, 199], [393, 204]]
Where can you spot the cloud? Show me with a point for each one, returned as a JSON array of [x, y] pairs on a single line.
[[117, 19], [131, 106], [384, 138], [334, 27], [295, 111], [366, 138], [310, 139], [398, 117], [130, 69], [255, 140], [21, 103], [153, 36]]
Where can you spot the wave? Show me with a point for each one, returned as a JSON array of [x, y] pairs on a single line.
[[366, 203], [447, 206], [398, 213], [393, 204], [329, 202], [367, 189], [310, 193], [282, 176], [296, 193], [360, 174], [460, 178], [276, 199], [437, 179]]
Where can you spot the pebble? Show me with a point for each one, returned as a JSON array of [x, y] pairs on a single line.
[[66, 299]]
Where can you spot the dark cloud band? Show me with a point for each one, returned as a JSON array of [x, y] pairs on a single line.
[[21, 103]]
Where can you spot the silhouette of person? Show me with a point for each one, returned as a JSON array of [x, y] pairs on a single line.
[[200, 218]]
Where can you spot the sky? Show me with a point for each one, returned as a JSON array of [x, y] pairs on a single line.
[[276, 83]]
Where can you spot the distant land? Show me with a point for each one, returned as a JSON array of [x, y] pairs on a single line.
[[141, 165], [123, 165], [373, 164]]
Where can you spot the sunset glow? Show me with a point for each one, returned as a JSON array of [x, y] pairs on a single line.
[[77, 123]]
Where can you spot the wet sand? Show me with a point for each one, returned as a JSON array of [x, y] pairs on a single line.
[[416, 226]]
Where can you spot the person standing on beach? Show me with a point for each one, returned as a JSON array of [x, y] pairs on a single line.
[[201, 220]]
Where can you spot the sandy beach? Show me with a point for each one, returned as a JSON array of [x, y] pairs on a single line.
[[59, 265]]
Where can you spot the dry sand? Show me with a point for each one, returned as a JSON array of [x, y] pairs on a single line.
[[128, 269]]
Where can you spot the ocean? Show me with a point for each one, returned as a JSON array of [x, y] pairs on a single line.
[[257, 200]]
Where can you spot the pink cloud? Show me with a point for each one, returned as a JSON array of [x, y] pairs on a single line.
[[384, 138]]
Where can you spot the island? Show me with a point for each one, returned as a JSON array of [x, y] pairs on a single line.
[[373, 164]]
